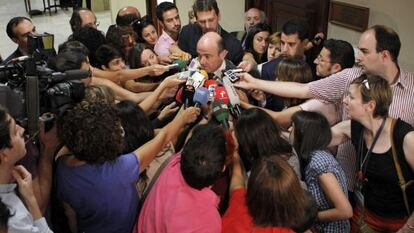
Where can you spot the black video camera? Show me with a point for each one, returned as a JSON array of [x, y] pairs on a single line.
[[28, 88]]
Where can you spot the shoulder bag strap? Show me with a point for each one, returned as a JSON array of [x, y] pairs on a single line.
[[401, 179]]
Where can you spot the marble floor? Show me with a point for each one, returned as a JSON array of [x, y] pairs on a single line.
[[57, 23]]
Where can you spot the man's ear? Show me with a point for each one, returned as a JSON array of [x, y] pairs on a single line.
[[103, 67], [3, 156], [223, 54], [335, 68]]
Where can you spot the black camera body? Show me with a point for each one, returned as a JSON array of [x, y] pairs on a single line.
[[28, 88]]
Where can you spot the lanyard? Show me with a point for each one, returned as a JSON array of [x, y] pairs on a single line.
[[364, 160]]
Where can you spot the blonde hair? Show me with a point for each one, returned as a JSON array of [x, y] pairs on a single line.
[[373, 87], [274, 38], [99, 93]]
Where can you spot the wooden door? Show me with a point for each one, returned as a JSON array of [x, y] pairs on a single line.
[[315, 12]]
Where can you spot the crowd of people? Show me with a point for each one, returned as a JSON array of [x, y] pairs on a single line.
[[157, 146]]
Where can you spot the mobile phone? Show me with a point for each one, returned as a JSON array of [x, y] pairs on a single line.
[[231, 75]]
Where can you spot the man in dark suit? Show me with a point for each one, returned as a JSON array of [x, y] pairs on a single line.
[[18, 29], [208, 16]]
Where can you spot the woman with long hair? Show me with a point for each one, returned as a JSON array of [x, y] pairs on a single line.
[[324, 177], [258, 135], [273, 201], [257, 43]]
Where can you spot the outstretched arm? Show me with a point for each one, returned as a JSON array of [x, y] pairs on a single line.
[[284, 89], [149, 150], [43, 182], [340, 133]]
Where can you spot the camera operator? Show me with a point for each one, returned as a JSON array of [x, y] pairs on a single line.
[[18, 29]]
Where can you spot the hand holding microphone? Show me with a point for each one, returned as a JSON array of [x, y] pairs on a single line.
[[178, 64]]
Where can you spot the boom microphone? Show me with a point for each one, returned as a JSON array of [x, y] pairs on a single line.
[[70, 75]]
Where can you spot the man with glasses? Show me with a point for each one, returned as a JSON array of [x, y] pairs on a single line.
[[83, 17], [18, 29], [379, 47]]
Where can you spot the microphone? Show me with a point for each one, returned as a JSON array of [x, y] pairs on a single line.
[[179, 95], [233, 97], [211, 86], [178, 64], [204, 73], [221, 112], [188, 96], [70, 75], [200, 97], [221, 94], [196, 79]]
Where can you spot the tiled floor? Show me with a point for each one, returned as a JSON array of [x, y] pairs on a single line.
[[57, 23]]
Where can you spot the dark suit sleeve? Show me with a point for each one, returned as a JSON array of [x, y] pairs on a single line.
[[185, 41], [268, 71], [234, 48]]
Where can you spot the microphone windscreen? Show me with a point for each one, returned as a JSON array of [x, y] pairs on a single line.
[[210, 82], [201, 96], [221, 94], [179, 95], [182, 65], [220, 111], [204, 73], [188, 95]]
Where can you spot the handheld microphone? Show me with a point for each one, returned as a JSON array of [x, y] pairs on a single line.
[[70, 75], [200, 97], [221, 112], [188, 96], [221, 94], [204, 73], [178, 64], [211, 86], [179, 95], [233, 97]]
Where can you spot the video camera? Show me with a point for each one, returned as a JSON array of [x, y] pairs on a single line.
[[28, 88]]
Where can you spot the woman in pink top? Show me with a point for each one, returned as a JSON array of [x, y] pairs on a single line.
[[274, 201]]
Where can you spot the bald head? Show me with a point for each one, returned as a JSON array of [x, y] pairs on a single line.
[[127, 15], [211, 52], [211, 39], [129, 10]]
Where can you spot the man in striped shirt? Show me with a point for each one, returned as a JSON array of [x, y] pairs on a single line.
[[379, 48]]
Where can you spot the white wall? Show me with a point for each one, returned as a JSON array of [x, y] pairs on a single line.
[[397, 14], [232, 11]]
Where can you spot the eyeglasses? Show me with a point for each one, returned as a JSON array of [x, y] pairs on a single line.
[[366, 84], [319, 59], [93, 25]]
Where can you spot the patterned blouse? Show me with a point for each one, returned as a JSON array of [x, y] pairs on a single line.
[[323, 162]]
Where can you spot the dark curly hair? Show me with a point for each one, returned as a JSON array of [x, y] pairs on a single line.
[[137, 126], [92, 39], [92, 132]]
